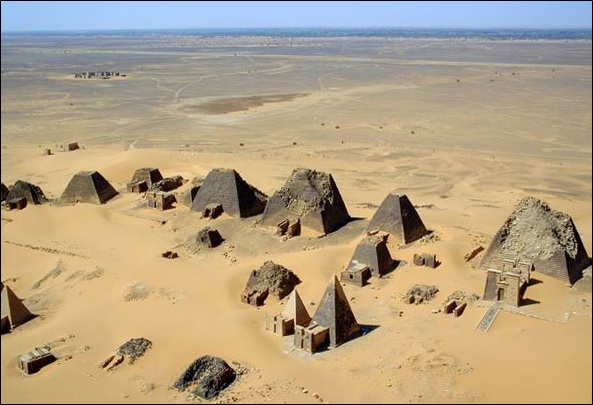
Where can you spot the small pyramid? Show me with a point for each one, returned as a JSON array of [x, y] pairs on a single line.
[[88, 187], [397, 216], [148, 174], [14, 311], [31, 192], [295, 309], [334, 312], [310, 196], [227, 187], [535, 232], [373, 252]]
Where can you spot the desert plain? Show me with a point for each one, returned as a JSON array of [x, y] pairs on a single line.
[[464, 128]]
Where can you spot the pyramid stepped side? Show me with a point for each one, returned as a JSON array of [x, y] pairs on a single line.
[[227, 187], [311, 196], [334, 312], [549, 255], [397, 216]]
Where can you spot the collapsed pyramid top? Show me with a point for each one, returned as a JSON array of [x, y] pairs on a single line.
[[31, 192], [148, 174], [310, 196], [227, 187], [334, 312], [397, 216], [535, 232]]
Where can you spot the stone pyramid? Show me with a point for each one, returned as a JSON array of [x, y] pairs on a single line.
[[227, 187], [31, 192], [310, 196], [148, 174], [14, 311], [535, 232], [334, 313], [397, 216], [372, 251], [88, 187], [295, 309]]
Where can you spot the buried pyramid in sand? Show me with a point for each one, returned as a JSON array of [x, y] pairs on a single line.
[[227, 188], [14, 311], [310, 196], [537, 233], [88, 187], [397, 216]]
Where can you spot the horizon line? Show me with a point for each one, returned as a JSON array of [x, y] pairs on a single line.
[[291, 28]]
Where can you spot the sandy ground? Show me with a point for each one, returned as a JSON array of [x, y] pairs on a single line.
[[465, 129]]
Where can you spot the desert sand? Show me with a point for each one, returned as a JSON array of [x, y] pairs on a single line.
[[464, 128]]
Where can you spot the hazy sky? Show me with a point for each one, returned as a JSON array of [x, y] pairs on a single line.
[[81, 15]]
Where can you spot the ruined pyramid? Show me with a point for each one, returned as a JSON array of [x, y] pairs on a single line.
[[227, 187], [310, 196], [397, 216], [334, 313], [150, 175], [535, 232], [31, 192], [88, 187]]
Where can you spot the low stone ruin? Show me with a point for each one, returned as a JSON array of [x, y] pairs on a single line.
[[208, 375], [212, 211], [167, 184], [420, 293], [22, 189], [129, 352], [270, 278], [457, 302], [170, 255], [4, 191], [209, 238], [426, 259]]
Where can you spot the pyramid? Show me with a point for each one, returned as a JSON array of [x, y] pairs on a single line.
[[537, 233], [310, 196], [226, 187], [31, 192], [334, 313], [372, 251], [148, 174], [295, 309], [397, 216], [14, 311], [88, 187]]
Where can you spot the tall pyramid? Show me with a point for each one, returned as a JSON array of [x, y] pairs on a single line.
[[14, 312], [88, 187], [397, 216], [31, 192], [295, 309], [535, 232], [227, 187], [334, 313], [310, 196]]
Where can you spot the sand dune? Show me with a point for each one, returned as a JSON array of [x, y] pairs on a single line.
[[379, 119]]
